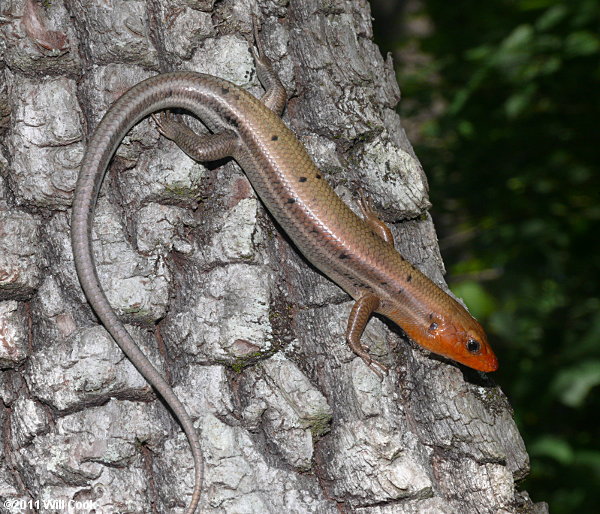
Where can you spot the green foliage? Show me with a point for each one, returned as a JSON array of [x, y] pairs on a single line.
[[512, 155]]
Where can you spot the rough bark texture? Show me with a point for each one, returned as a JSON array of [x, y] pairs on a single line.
[[250, 336]]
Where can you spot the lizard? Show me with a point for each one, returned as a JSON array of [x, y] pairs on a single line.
[[357, 253]]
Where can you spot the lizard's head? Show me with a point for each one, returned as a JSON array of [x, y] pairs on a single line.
[[462, 339], [454, 334]]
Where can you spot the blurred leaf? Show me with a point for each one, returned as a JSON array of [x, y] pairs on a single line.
[[465, 128], [519, 39], [480, 302], [550, 18], [575, 383], [552, 447], [518, 102], [582, 43]]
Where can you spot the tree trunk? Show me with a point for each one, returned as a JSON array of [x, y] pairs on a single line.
[[248, 333]]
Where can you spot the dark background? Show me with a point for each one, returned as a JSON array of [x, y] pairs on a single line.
[[501, 100]]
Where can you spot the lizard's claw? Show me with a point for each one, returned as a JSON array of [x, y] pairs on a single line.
[[165, 124]]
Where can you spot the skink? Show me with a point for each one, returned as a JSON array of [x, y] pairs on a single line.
[[356, 253]]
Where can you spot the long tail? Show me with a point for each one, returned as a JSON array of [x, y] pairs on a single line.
[[141, 100]]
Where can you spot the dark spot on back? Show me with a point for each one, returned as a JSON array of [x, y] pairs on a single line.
[[409, 278], [231, 119], [302, 179], [274, 138], [317, 176], [344, 256], [224, 90], [291, 200]]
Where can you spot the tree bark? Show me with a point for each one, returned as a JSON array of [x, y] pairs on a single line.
[[248, 333]]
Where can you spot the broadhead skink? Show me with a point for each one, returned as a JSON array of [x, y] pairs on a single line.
[[356, 253]]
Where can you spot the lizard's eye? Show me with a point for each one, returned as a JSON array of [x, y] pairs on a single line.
[[473, 346], [433, 327]]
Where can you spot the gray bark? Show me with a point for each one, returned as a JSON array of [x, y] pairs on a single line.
[[248, 333]]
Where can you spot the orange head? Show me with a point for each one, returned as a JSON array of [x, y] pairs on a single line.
[[454, 334], [460, 338]]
